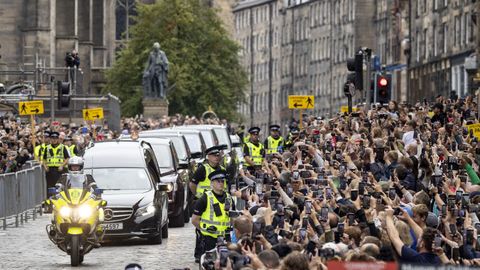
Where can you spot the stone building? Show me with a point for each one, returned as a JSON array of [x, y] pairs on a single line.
[[443, 39], [392, 45], [311, 41], [40, 32]]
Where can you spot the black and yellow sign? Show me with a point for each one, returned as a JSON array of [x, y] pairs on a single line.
[[475, 128], [301, 102], [344, 109], [93, 114], [30, 107]]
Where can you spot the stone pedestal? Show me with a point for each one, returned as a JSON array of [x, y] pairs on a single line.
[[155, 107]]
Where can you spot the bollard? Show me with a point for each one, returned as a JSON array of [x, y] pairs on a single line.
[[34, 213], [4, 223], [16, 220]]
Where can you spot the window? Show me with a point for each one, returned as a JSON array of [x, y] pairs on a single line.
[[426, 44], [434, 41], [445, 38], [456, 29]]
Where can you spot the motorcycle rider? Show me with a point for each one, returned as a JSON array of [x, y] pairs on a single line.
[[75, 167]]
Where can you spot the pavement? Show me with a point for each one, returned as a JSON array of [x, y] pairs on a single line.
[[28, 247]]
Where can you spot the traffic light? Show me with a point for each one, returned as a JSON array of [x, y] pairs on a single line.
[[356, 65], [63, 94], [384, 88]]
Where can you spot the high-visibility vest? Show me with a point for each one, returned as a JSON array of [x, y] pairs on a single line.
[[205, 184], [255, 153], [71, 150], [55, 157], [209, 219], [38, 151], [246, 139], [274, 145]]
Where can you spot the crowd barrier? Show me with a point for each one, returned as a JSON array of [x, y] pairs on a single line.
[[22, 193]]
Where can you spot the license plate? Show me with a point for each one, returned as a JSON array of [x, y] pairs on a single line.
[[112, 226]]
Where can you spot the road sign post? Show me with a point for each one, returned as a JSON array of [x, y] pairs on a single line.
[[300, 103]]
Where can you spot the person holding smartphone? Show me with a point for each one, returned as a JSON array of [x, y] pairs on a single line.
[[426, 253]]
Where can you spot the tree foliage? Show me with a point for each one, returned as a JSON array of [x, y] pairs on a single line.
[[204, 63]]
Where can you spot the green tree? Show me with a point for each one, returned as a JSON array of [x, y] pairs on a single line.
[[204, 64]]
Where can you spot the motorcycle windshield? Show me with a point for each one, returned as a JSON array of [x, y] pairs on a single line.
[[75, 181]]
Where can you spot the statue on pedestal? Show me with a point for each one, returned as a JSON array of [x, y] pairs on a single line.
[[155, 81]]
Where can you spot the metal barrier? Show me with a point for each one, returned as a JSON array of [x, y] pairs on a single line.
[[22, 193]]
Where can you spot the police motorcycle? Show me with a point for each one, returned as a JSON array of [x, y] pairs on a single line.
[[77, 214]]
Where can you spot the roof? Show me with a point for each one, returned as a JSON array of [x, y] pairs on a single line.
[[115, 154], [249, 3]]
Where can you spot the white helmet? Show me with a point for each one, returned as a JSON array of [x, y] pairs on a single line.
[[75, 161]]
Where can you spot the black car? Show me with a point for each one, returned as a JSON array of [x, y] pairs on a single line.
[[137, 202], [177, 180]]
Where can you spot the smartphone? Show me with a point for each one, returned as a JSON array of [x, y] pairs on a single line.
[[392, 193], [343, 183], [305, 223], [361, 188], [308, 207], [458, 195], [351, 219], [305, 174], [324, 213], [353, 194], [444, 210], [304, 191], [340, 228], [455, 254], [366, 201], [328, 192], [453, 229], [438, 241], [466, 198], [451, 202]]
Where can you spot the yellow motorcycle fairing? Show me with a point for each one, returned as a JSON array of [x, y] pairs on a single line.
[[72, 200]]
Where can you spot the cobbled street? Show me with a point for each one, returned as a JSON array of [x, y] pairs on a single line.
[[28, 247]]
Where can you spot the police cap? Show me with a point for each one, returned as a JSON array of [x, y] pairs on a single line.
[[254, 130], [214, 150], [274, 127], [54, 135], [218, 175]]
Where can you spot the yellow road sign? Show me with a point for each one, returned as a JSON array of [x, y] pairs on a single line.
[[301, 102], [93, 113], [30, 107], [344, 109], [476, 129]]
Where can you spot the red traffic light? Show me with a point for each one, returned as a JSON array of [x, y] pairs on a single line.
[[382, 82]]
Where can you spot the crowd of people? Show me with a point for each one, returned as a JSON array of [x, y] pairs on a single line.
[[397, 183], [16, 135]]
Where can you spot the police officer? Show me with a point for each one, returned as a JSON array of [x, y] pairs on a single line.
[[71, 146], [274, 143], [201, 182], [253, 150], [55, 158], [40, 148], [211, 213]]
